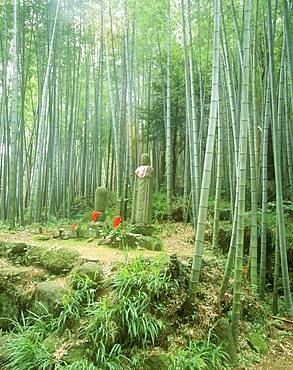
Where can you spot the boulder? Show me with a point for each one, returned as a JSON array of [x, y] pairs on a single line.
[[157, 361], [131, 240], [56, 261], [224, 337], [90, 269], [48, 297], [16, 290]]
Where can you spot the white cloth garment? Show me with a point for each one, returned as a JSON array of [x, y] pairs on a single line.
[[141, 171]]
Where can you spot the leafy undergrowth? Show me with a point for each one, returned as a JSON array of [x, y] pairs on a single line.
[[138, 319]]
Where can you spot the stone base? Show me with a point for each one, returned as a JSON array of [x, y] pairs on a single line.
[[95, 228], [93, 231], [136, 241], [149, 242], [142, 229]]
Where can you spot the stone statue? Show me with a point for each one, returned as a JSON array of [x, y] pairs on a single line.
[[143, 192], [101, 199]]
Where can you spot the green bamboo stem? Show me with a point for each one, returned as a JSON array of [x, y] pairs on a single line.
[[219, 174], [263, 247], [277, 166], [209, 153], [242, 177]]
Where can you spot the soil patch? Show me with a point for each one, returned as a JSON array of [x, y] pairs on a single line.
[[280, 356]]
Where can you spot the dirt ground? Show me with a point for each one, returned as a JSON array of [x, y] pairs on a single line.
[[280, 356], [177, 238]]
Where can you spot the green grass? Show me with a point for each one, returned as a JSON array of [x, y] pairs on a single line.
[[133, 315], [199, 356]]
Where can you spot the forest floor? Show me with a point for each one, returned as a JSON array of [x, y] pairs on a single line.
[[280, 356], [178, 238]]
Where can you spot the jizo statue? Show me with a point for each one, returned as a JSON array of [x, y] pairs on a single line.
[[143, 192]]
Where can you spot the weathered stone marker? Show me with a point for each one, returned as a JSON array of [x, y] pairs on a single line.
[[143, 192], [101, 200], [224, 336]]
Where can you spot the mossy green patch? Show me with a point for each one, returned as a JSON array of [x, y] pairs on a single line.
[[51, 343], [90, 269], [56, 261], [4, 339], [258, 342], [224, 338], [9, 306], [150, 242], [76, 352], [15, 291], [132, 240], [11, 250], [147, 230], [157, 361], [42, 237], [48, 297]]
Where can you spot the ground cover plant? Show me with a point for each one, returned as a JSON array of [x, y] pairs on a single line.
[[135, 318]]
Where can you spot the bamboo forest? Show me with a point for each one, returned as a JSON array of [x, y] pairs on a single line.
[[146, 184]]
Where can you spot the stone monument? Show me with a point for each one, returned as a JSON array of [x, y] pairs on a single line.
[[101, 200], [99, 213], [140, 234], [143, 192]]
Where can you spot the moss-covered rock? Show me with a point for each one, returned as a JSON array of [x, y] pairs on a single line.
[[90, 269], [142, 229], [13, 251], [157, 361], [225, 339], [75, 352], [51, 343], [258, 343], [56, 261], [132, 240], [60, 260], [142, 241], [16, 287], [48, 297], [149, 242]]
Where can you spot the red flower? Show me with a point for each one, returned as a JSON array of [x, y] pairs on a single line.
[[117, 221], [74, 226], [95, 215]]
